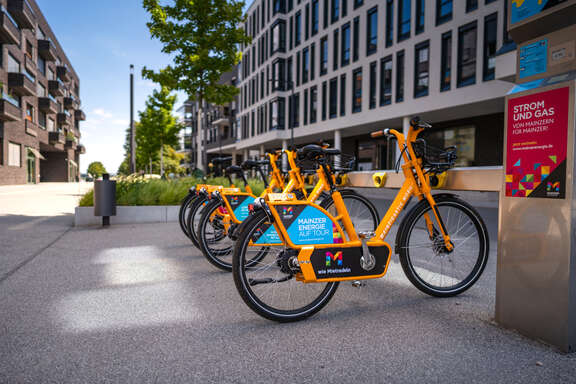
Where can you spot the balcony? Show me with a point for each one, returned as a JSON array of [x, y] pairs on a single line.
[[79, 115], [21, 84], [70, 103], [56, 138], [63, 73], [9, 112], [62, 118], [55, 88], [9, 32], [22, 13], [47, 50], [81, 149], [71, 143], [47, 105]]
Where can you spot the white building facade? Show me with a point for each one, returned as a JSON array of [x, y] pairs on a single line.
[[335, 70]]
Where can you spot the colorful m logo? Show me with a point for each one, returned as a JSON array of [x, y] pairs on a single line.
[[337, 258], [287, 211], [553, 187]]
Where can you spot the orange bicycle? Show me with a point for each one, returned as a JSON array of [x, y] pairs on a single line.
[[442, 241]]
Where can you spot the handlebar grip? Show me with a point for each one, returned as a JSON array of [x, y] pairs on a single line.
[[415, 121], [377, 134]]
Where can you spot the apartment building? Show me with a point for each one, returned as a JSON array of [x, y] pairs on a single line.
[[335, 70], [219, 127], [40, 109]]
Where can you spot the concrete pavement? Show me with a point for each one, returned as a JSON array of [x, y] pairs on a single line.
[[137, 304]]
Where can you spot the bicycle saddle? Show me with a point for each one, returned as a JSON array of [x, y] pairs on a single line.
[[233, 169], [220, 160]]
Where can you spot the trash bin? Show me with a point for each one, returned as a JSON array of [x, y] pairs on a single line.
[[105, 198]]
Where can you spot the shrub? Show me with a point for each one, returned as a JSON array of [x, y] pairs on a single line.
[[136, 190]]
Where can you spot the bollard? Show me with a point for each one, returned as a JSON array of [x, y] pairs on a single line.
[[105, 199]]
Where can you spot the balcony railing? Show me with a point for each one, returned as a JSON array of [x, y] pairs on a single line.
[[21, 84], [56, 138], [47, 105], [8, 111], [55, 88], [79, 115], [47, 50], [9, 32], [70, 103], [71, 143], [81, 149], [22, 13], [63, 73], [62, 119]]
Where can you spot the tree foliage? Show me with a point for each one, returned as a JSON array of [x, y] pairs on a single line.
[[203, 37], [96, 169]]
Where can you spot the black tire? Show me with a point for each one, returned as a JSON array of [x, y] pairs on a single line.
[[437, 263], [362, 211], [243, 265], [183, 212], [214, 243], [194, 214]]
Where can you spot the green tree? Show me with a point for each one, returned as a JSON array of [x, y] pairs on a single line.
[[96, 169], [157, 127], [203, 37]]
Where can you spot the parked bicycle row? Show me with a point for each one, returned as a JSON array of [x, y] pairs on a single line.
[[290, 247]]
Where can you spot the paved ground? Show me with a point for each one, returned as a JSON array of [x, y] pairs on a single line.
[[136, 304], [32, 217]]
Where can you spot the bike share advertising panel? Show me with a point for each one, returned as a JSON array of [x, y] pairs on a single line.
[[525, 9], [239, 205]]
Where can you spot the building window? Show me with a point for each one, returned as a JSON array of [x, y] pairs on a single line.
[[298, 29], [41, 64], [421, 69], [490, 31], [13, 64], [307, 22], [371, 31], [294, 107], [343, 95], [386, 81], [305, 65], [446, 62], [389, 22], [312, 60], [333, 110], [344, 8], [358, 3], [326, 14], [279, 6], [298, 66], [357, 90], [356, 42], [289, 74], [278, 75], [467, 54], [335, 51], [324, 100], [313, 104], [29, 112], [404, 12], [400, 76], [315, 17], [335, 10], [420, 15], [373, 85], [345, 45], [323, 55], [278, 37], [14, 155], [277, 111], [40, 90], [443, 11], [42, 120], [471, 5], [305, 107]]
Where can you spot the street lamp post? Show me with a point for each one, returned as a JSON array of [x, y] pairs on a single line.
[[132, 135]]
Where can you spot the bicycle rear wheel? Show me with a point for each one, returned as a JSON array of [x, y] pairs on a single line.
[[426, 261], [183, 212], [362, 212], [265, 277], [193, 220], [213, 237]]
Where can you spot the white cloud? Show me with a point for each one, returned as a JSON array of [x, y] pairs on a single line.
[[102, 113]]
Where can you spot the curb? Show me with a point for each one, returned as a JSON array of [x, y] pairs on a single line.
[[84, 216]]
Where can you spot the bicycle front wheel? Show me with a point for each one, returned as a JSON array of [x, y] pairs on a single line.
[[426, 261], [183, 212], [265, 277], [193, 219]]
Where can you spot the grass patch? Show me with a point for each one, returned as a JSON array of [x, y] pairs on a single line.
[[131, 191]]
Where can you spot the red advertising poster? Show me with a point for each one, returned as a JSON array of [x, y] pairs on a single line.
[[536, 146]]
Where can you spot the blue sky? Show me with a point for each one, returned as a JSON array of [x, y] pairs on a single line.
[[101, 39]]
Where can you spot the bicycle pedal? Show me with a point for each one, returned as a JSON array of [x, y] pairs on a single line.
[[358, 283], [366, 235]]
